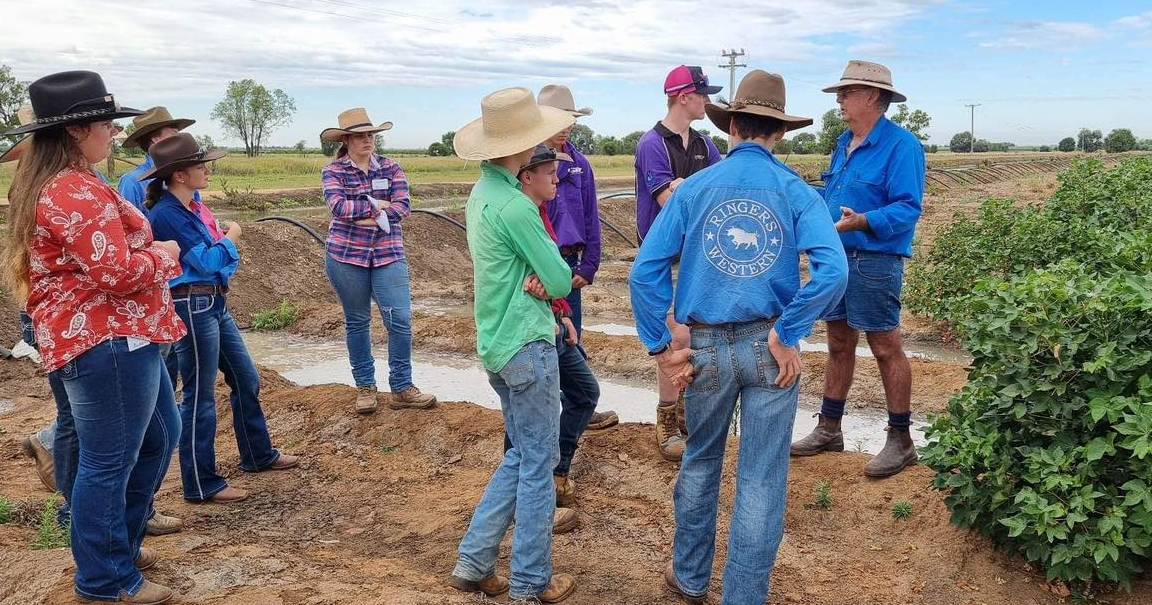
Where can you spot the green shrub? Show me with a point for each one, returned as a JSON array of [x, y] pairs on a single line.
[[823, 495], [49, 533], [7, 510], [902, 510], [277, 318]]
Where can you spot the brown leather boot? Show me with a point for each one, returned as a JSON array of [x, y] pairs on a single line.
[[674, 585], [565, 490], [565, 520], [161, 524], [366, 400], [229, 495], [45, 469], [493, 585], [899, 453], [826, 437], [668, 436], [150, 593], [603, 420], [411, 398], [561, 587], [147, 558]]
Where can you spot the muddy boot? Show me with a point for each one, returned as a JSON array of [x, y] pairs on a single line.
[[150, 593], [366, 400], [565, 490], [673, 584], [899, 453], [565, 520], [492, 586], [668, 436], [681, 417], [561, 587], [161, 524], [34, 449], [412, 398], [603, 420], [826, 437]]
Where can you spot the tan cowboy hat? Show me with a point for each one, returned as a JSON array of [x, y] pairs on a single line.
[[510, 122], [864, 73], [353, 121], [560, 97], [26, 116], [152, 120], [177, 152], [760, 94]]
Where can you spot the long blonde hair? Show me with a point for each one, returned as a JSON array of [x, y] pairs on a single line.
[[51, 151]]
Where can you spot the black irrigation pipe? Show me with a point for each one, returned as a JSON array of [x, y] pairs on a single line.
[[311, 231], [442, 217]]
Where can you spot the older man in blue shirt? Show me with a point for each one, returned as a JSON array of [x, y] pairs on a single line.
[[153, 126], [738, 229], [875, 188]]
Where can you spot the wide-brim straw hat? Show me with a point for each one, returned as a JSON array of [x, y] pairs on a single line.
[[26, 116], [150, 121], [71, 97], [353, 121], [560, 97], [178, 152], [866, 73], [760, 94], [510, 122]]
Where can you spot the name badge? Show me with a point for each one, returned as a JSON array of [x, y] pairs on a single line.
[[380, 184]]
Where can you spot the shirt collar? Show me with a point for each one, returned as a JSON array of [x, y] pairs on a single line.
[[499, 172], [373, 162], [873, 137], [665, 132]]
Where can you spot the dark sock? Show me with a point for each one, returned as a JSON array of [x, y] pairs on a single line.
[[900, 421], [832, 409]]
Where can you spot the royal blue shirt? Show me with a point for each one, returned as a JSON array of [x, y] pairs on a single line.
[[136, 191], [883, 179], [204, 260], [738, 229]]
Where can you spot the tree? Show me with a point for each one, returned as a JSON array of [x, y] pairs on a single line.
[[961, 142], [629, 142], [1067, 144], [207, 143], [832, 125], [443, 147], [250, 112], [721, 143], [916, 121], [330, 148], [378, 144], [13, 94], [300, 146], [804, 143], [784, 147], [608, 146], [583, 139], [1144, 145], [1089, 140], [982, 146], [1044, 148], [1119, 141], [933, 148]]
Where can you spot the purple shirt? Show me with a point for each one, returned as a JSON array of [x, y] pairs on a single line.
[[662, 158], [346, 189], [575, 213]]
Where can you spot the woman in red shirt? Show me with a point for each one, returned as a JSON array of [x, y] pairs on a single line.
[[96, 286]]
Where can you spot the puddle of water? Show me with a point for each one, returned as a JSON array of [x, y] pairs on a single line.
[[455, 378]]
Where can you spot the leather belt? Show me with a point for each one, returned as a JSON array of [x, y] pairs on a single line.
[[199, 290]]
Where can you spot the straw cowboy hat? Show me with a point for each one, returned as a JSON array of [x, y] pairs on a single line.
[[353, 121], [542, 155], [71, 97], [760, 94], [510, 122], [560, 97], [17, 151], [864, 73], [152, 120], [177, 152]]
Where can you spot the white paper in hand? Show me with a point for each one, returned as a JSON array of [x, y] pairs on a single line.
[[382, 218]]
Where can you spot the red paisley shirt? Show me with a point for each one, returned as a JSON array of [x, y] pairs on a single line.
[[96, 273]]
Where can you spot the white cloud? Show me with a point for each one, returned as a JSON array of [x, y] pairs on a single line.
[[1141, 21], [1038, 35]]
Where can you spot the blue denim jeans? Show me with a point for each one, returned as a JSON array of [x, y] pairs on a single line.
[[522, 487], [733, 362], [389, 285], [579, 393], [214, 343], [872, 301], [573, 298], [126, 421]]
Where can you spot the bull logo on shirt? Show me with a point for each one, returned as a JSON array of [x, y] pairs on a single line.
[[742, 238]]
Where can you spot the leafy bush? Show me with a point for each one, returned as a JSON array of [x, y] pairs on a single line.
[[49, 533], [276, 318]]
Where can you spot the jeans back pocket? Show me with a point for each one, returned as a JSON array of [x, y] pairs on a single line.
[[706, 365]]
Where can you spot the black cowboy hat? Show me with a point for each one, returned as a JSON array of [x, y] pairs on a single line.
[[542, 155], [177, 152], [71, 97]]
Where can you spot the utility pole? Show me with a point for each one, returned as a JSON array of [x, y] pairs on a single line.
[[972, 130], [731, 55]]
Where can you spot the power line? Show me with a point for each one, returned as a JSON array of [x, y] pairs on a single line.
[[972, 129], [731, 55]]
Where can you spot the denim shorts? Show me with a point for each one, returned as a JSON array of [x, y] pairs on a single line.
[[872, 301]]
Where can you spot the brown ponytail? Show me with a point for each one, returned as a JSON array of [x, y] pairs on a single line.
[[155, 192]]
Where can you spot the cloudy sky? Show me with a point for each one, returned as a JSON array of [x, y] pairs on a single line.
[[1040, 71]]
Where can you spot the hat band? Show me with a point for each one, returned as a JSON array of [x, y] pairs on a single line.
[[111, 107], [360, 125], [742, 103], [862, 79]]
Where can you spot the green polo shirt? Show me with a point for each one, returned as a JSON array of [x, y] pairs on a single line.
[[508, 243]]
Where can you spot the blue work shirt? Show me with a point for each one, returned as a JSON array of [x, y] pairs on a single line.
[[136, 191], [738, 228], [882, 179], [204, 260]]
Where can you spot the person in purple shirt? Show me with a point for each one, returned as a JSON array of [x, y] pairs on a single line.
[[666, 155], [575, 215]]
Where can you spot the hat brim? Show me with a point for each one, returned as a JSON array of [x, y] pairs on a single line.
[[170, 167], [123, 112], [897, 96], [472, 143], [335, 134], [16, 151], [133, 139], [721, 116], [560, 157], [582, 112]]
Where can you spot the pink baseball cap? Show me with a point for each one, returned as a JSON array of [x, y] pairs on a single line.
[[688, 79]]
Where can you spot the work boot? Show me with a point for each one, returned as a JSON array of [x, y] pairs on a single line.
[[160, 525], [674, 585], [681, 416], [229, 495], [565, 490], [150, 593], [826, 437], [565, 520], [147, 558], [559, 588], [668, 436], [45, 469], [412, 398], [284, 462], [603, 420], [899, 453], [492, 586], [366, 400]]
